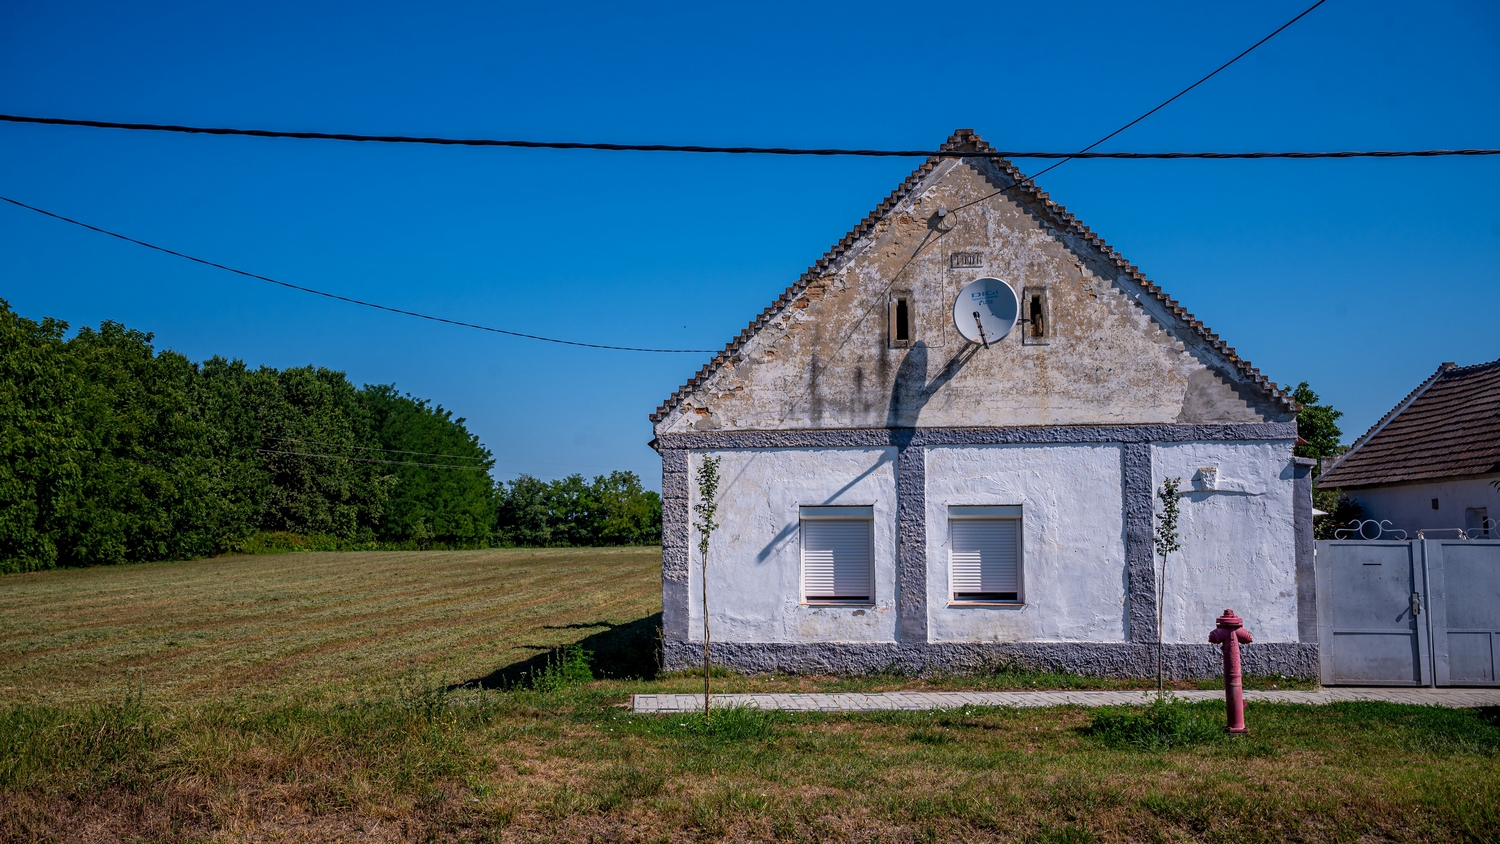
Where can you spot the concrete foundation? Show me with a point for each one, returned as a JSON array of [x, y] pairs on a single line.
[[1101, 659]]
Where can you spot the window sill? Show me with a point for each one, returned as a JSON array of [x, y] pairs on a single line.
[[986, 603], [838, 603]]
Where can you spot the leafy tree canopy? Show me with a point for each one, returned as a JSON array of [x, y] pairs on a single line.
[[112, 452]]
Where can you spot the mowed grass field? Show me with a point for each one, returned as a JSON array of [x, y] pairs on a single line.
[[334, 626], [419, 697]]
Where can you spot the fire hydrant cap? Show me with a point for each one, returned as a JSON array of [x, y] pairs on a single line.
[[1229, 619]]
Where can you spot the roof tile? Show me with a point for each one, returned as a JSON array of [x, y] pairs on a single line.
[[1448, 427]]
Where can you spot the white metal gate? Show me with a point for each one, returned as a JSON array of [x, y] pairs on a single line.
[[1411, 612]]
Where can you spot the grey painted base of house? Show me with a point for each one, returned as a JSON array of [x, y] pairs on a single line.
[[1094, 659]]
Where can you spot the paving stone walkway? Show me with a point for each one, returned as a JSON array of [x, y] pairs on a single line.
[[878, 701]]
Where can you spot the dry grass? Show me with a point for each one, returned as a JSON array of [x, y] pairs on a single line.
[[338, 625], [309, 698]]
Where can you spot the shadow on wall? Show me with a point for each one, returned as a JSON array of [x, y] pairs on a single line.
[[912, 390], [621, 651]]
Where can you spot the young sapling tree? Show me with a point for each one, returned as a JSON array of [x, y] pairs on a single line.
[[1166, 542], [706, 508]]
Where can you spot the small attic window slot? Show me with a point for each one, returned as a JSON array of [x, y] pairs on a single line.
[[903, 319], [1036, 318]]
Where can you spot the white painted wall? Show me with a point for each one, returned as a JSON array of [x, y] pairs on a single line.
[[1409, 506], [754, 571], [1073, 541], [1238, 546], [1238, 542]]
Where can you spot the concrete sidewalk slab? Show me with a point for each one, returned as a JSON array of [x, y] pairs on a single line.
[[880, 701]]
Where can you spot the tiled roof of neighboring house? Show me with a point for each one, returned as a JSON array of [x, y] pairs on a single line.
[[964, 140], [1448, 427]]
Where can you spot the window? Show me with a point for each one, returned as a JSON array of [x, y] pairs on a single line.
[[1035, 318], [903, 319], [836, 555], [984, 554]]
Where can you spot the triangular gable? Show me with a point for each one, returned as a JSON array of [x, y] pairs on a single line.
[[804, 290], [1448, 427]]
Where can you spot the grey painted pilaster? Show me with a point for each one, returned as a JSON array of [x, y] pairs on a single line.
[[911, 538], [675, 540], [1140, 555], [1302, 525]]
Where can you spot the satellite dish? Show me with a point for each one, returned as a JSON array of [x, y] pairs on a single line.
[[985, 310]]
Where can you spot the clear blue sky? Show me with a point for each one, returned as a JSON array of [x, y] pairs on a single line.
[[1358, 276]]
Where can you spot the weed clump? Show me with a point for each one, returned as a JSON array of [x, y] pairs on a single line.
[[1166, 723], [567, 666], [728, 724]]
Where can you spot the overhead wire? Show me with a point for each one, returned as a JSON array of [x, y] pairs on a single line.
[[347, 299], [372, 460], [374, 448], [1086, 151], [754, 150], [407, 462]]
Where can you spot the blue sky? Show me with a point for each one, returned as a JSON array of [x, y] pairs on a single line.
[[1358, 276]]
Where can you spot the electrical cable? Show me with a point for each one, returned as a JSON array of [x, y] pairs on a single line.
[[372, 460], [351, 301], [1085, 152], [373, 448], [743, 150]]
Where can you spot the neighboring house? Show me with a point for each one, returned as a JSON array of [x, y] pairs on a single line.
[[1433, 463], [895, 496]]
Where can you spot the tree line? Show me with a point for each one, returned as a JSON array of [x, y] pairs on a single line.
[[113, 452]]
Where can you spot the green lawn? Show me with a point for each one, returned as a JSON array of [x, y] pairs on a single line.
[[315, 697]]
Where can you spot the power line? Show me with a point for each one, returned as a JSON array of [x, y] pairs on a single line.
[[1085, 152], [373, 448], [1215, 72], [372, 460], [360, 302], [745, 150]]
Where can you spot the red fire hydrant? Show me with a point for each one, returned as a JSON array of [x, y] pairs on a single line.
[[1229, 633]]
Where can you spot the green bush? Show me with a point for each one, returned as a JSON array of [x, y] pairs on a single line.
[[1166, 723]]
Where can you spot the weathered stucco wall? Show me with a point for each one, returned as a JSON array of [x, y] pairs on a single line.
[[755, 565], [1073, 571], [1238, 539], [1113, 355], [1409, 506]]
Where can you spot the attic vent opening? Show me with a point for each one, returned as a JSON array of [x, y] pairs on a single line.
[[903, 319], [1038, 320]]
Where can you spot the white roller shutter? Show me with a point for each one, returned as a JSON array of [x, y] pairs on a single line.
[[984, 558], [836, 559]]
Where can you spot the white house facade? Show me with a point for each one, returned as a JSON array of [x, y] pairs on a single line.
[[895, 496]]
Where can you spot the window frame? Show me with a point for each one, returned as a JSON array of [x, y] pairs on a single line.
[[990, 513], [1027, 339], [911, 319], [864, 513]]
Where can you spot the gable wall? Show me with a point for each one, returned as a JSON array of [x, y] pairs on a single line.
[[827, 363]]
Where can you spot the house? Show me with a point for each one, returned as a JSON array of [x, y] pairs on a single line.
[[1431, 464], [895, 496]]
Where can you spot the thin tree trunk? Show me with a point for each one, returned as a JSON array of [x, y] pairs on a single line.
[[1161, 599], [705, 641]]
